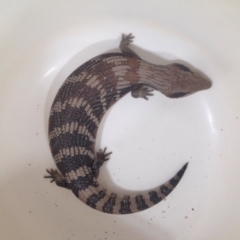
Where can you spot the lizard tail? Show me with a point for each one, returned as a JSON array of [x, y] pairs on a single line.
[[99, 199]]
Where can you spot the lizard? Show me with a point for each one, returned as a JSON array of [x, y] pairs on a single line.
[[76, 112]]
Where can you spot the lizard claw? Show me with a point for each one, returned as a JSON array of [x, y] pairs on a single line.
[[102, 155], [142, 92], [127, 39], [55, 175]]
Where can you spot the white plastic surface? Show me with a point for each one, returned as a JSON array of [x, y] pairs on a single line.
[[42, 42]]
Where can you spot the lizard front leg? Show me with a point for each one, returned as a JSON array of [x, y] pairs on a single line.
[[142, 91], [126, 40]]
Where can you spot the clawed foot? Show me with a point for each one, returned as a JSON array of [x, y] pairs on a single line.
[[142, 92], [55, 175], [126, 40], [101, 157]]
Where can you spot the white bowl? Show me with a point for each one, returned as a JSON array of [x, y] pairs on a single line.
[[43, 42]]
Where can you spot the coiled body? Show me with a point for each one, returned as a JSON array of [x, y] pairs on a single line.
[[78, 109]]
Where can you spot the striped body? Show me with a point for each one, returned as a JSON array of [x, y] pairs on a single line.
[[78, 109]]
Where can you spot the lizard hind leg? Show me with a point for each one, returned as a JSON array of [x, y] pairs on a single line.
[[58, 178], [101, 157]]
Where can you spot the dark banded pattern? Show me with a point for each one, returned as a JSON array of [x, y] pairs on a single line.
[[77, 111], [112, 203]]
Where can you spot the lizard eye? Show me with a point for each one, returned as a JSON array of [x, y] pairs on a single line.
[[180, 94], [182, 67]]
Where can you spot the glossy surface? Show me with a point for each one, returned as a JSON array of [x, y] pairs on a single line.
[[41, 43]]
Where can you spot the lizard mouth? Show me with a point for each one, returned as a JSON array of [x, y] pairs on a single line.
[[179, 94]]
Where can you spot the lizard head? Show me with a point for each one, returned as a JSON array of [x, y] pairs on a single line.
[[182, 81]]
